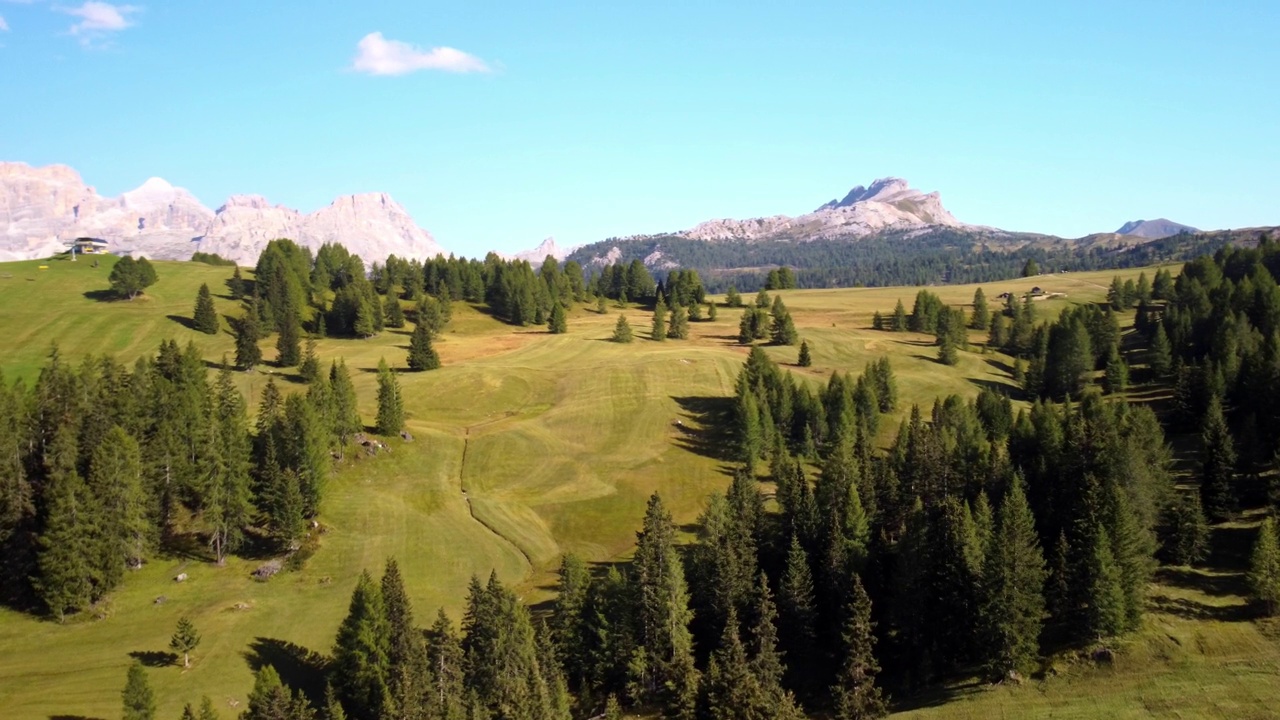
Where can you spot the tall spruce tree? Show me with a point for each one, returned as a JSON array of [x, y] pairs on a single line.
[[981, 317], [805, 359], [1264, 567], [679, 328], [665, 673], [622, 330], [309, 370], [558, 323], [732, 690], [139, 700], [115, 479], [361, 672], [390, 402], [205, 316], [446, 694], [289, 341], [346, 413], [658, 331], [407, 669], [1014, 576], [248, 332], [1161, 353], [1217, 464], [67, 552], [185, 639], [855, 694], [422, 354], [1185, 531], [1105, 606]]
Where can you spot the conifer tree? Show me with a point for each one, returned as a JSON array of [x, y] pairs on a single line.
[[139, 700], [422, 354], [612, 710], [361, 664], [1117, 372], [622, 330], [569, 618], [390, 403], [600, 305], [207, 711], [1106, 601], [248, 332], [1161, 353], [981, 318], [805, 359], [392, 311], [346, 413], [711, 312], [762, 299], [877, 321], [1186, 532], [733, 692], [1132, 549], [1217, 462], [665, 672], [309, 370], [558, 324], [406, 650], [236, 284], [732, 298], [1264, 567], [185, 639], [205, 316], [767, 659], [659, 329], [899, 321], [289, 341], [679, 329], [798, 615], [272, 700], [66, 552], [1014, 575], [855, 694], [446, 694], [332, 707], [115, 479]]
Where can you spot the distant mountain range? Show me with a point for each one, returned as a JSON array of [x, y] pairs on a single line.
[[43, 209]]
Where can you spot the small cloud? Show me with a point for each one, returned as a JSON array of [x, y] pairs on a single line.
[[377, 55], [100, 18]]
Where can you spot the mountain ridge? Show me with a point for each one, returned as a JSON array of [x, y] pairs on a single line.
[[42, 209]]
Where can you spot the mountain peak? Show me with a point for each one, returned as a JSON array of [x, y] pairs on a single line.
[[1154, 229], [885, 189]]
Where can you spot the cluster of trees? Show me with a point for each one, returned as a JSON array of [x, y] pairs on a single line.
[[104, 465], [212, 259], [130, 277], [767, 320]]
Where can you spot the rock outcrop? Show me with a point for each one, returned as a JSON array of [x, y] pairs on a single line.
[[43, 209], [540, 253], [889, 203]]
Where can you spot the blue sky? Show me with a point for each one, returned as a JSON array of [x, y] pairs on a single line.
[[497, 124]]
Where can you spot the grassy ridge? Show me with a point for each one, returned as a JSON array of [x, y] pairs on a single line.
[[526, 445]]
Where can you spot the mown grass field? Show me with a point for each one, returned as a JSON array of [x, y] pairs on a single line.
[[528, 445]]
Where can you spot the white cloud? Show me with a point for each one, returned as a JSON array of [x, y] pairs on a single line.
[[377, 55], [4, 26], [99, 18]]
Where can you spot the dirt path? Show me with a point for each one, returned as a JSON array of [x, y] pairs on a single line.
[[462, 486]]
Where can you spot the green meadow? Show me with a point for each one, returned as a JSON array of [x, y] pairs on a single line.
[[525, 446]]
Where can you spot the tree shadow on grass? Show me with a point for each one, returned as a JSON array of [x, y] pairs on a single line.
[[74, 717], [155, 658], [103, 296], [300, 668], [1192, 610], [708, 432], [185, 322]]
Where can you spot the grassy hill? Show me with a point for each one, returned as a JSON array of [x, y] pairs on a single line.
[[527, 445]]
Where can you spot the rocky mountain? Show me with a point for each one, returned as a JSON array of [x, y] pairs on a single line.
[[888, 204], [545, 248], [43, 209], [1154, 229]]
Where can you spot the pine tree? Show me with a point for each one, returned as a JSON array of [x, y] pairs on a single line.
[[981, 318], [1161, 354], [1117, 373], [406, 650], [732, 689], [664, 673], [207, 712], [248, 332], [1106, 612], [1116, 295], [332, 707], [1217, 462], [1264, 567], [446, 694], [612, 710], [115, 480], [1013, 577], [732, 298], [559, 322], [877, 321], [66, 551], [679, 329], [659, 329], [622, 330], [711, 312], [805, 359], [346, 413], [392, 311], [782, 330], [309, 370], [855, 694], [236, 284], [205, 316], [600, 305], [899, 322], [361, 664], [272, 700], [1031, 268], [422, 353], [1186, 540], [289, 342], [390, 402], [185, 639], [139, 700]]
